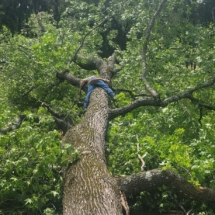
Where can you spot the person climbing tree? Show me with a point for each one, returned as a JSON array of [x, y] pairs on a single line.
[[92, 83]]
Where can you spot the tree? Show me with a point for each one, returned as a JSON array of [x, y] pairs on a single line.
[[89, 187], [15, 14]]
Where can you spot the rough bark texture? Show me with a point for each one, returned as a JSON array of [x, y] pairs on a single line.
[[149, 180], [89, 189]]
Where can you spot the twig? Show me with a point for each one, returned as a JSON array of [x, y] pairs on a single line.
[[27, 50], [126, 91], [133, 96], [194, 100], [63, 120], [144, 50], [200, 116], [118, 69], [188, 173], [39, 20], [159, 103], [82, 41], [140, 157], [29, 91], [179, 205], [141, 95], [124, 203]]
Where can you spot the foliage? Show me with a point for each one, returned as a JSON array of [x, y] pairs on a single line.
[[15, 14], [181, 136], [32, 158], [167, 138]]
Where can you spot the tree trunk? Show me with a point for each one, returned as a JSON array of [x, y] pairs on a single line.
[[89, 189]]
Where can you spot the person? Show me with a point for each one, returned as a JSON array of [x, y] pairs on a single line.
[[93, 82]]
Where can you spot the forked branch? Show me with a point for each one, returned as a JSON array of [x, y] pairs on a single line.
[[148, 101], [63, 121], [144, 51], [132, 106], [73, 59], [139, 156]]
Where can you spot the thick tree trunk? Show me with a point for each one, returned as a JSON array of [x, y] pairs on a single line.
[[89, 189]]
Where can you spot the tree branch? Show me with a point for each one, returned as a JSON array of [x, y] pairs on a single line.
[[141, 157], [144, 50], [85, 63], [197, 101], [39, 20], [133, 105], [74, 58], [159, 103], [66, 75], [124, 203], [111, 62], [179, 205], [118, 69], [25, 50], [147, 181], [17, 123], [132, 95], [63, 121], [188, 93], [118, 90]]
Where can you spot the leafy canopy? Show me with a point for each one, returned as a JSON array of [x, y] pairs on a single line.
[[181, 136]]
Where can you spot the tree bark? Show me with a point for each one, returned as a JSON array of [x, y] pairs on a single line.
[[89, 189], [149, 180]]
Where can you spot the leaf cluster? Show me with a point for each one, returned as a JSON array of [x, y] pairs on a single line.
[[180, 55], [31, 165]]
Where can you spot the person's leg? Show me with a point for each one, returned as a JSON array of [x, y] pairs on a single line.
[[90, 88], [104, 86]]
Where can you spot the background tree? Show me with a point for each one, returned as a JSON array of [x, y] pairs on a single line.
[[157, 140], [15, 14]]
